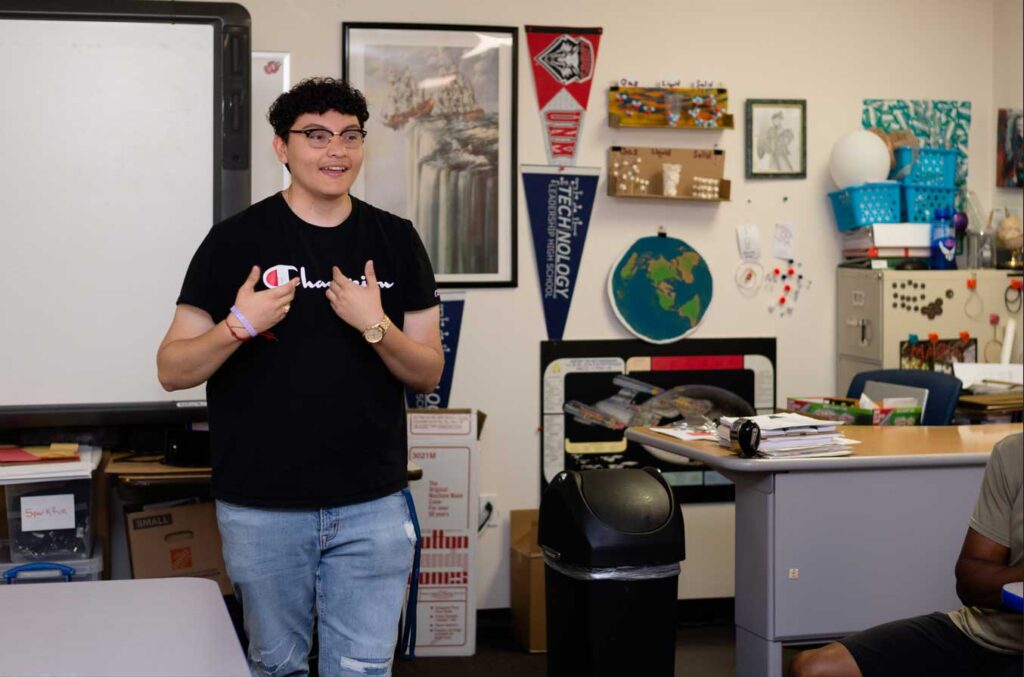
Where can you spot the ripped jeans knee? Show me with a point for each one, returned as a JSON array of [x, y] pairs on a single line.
[[288, 657], [365, 667]]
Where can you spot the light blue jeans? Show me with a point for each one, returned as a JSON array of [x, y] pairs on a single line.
[[350, 563]]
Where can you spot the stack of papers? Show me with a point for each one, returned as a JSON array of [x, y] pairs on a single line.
[[55, 453], [792, 435], [20, 473]]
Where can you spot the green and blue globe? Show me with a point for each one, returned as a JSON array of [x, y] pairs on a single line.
[[660, 289]]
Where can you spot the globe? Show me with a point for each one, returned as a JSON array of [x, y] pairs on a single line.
[[660, 289]]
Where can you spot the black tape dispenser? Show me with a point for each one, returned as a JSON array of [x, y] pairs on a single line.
[[745, 437]]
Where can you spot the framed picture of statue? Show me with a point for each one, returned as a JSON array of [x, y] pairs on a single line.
[[776, 141], [441, 140]]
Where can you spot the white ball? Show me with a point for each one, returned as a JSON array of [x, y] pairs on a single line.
[[859, 157]]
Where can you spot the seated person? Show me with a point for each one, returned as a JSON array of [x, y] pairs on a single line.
[[983, 637]]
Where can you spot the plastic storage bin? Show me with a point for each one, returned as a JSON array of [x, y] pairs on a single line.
[[60, 520], [866, 204], [51, 571], [611, 541], [926, 166], [920, 201]]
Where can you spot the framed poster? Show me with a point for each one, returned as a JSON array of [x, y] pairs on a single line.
[[441, 142], [1010, 148], [776, 142]]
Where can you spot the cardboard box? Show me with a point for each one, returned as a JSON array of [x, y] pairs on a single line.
[[443, 442], [526, 580], [845, 409], [180, 540]]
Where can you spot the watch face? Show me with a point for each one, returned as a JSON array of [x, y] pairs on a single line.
[[374, 334]]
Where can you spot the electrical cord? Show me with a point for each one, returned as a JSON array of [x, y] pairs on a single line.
[[489, 509]]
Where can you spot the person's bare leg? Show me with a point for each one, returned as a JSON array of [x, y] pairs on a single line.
[[832, 660]]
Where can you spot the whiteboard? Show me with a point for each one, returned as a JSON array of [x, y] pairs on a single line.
[[106, 189]]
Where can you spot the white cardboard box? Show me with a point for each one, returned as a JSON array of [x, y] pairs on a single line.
[[443, 442]]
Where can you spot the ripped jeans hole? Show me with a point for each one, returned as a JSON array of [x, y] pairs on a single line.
[[371, 667]]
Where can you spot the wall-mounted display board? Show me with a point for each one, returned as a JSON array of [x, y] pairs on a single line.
[[671, 173], [591, 391], [680, 108], [129, 121]]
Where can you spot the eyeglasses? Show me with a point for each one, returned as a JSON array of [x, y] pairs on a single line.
[[321, 138]]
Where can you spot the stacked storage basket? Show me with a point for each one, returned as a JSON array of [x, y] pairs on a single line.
[[924, 182], [866, 204], [927, 177]]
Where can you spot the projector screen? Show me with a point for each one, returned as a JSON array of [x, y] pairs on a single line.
[[122, 145]]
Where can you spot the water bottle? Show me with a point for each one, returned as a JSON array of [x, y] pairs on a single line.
[[972, 249], [987, 249], [943, 240]]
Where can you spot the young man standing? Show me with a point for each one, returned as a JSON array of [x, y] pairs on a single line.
[[306, 315]]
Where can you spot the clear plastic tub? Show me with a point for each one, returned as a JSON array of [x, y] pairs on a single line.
[[61, 520], [50, 571]]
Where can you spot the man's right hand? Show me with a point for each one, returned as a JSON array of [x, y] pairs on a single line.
[[266, 308]]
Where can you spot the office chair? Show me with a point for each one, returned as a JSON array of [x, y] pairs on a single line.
[[943, 390]]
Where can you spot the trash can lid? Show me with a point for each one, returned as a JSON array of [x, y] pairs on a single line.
[[633, 502]]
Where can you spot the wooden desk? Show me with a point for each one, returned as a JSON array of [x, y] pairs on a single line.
[[829, 546], [150, 469]]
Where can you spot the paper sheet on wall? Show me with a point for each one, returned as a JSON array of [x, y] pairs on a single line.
[[748, 240], [784, 241]]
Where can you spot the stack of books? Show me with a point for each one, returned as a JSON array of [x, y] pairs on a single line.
[[791, 436], [886, 245]]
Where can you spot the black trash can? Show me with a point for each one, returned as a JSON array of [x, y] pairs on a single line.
[[612, 541]]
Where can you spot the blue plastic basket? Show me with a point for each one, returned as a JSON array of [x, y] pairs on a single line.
[[866, 204], [926, 166], [921, 201]]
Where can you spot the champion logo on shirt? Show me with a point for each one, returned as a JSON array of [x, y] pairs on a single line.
[[275, 276]]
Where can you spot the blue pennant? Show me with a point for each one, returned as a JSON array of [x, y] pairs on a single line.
[[452, 304], [559, 202]]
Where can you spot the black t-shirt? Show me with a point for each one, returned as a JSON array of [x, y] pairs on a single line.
[[313, 419]]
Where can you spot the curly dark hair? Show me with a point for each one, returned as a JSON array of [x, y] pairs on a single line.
[[316, 95]]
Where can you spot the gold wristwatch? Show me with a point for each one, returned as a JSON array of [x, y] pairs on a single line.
[[375, 332]]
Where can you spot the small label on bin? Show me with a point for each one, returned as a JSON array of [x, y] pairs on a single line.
[[44, 513]]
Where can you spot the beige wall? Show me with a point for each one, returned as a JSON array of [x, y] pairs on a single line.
[[834, 53]]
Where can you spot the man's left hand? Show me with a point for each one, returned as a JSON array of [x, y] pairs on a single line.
[[355, 304]]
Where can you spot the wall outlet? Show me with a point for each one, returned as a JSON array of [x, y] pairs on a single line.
[[491, 499]]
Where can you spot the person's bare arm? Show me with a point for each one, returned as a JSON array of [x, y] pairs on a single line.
[[982, 571], [412, 354], [195, 347]]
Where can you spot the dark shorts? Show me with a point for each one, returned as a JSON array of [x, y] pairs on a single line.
[[930, 646]]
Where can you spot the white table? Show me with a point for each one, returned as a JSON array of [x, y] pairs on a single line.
[[829, 546], [137, 628]]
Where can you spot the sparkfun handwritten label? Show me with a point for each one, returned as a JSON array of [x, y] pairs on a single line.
[[44, 513]]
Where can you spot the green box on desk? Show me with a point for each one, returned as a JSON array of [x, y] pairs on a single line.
[[845, 409]]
